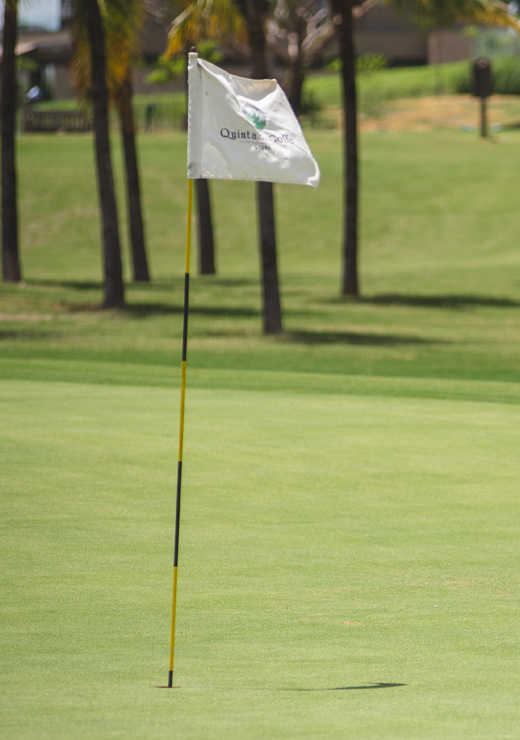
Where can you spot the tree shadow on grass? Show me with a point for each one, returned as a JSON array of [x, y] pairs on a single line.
[[350, 337], [69, 284], [449, 301], [31, 335], [142, 310], [159, 284], [229, 282]]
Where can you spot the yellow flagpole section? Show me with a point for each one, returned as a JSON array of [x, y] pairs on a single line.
[[181, 428]]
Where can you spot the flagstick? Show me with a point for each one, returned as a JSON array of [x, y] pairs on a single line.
[[181, 428]]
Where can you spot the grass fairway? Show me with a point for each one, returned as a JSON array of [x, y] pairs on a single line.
[[331, 543], [350, 513]]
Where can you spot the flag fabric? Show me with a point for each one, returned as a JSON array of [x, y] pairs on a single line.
[[242, 129]]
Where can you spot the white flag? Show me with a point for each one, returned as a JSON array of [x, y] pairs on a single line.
[[242, 129]]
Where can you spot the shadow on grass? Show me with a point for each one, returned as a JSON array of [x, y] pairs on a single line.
[[448, 301], [231, 282], [157, 284], [332, 688], [354, 688], [441, 301], [34, 335], [142, 310], [69, 284], [350, 337], [149, 309]]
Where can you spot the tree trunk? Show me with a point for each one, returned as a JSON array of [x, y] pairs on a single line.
[[296, 71], [255, 14], [295, 86], [11, 270], [206, 243], [271, 293], [113, 295], [133, 192], [206, 234], [350, 284]]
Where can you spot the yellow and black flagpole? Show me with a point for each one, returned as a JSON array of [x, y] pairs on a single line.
[[181, 428]]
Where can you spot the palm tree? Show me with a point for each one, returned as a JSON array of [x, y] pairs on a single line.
[[89, 26], [133, 190], [206, 234], [124, 19], [344, 10], [11, 270], [255, 14], [219, 19], [445, 13], [123, 50]]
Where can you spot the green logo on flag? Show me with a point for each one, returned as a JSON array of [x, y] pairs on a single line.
[[254, 115]]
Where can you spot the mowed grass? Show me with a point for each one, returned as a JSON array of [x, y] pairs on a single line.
[[347, 564], [350, 517]]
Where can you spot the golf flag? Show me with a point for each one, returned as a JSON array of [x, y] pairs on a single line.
[[242, 129], [238, 129]]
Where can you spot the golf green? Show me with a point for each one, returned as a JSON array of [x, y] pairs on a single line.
[[347, 564]]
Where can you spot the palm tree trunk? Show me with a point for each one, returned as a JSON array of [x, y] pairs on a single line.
[[296, 71], [295, 86], [350, 283], [271, 293], [255, 14], [133, 191], [206, 242], [113, 294], [206, 234], [11, 270]]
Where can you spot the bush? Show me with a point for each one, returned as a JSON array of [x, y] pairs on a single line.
[[413, 82], [506, 74], [310, 103], [367, 64]]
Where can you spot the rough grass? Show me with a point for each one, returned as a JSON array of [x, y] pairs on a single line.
[[438, 253], [438, 112]]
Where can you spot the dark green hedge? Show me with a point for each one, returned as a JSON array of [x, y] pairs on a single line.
[[506, 75]]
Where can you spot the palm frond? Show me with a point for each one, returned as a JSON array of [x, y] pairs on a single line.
[[122, 20], [202, 20], [446, 13]]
